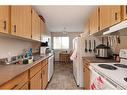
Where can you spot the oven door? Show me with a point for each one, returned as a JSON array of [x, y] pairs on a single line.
[[98, 82]]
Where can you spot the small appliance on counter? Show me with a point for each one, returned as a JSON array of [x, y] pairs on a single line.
[[44, 49], [103, 51]]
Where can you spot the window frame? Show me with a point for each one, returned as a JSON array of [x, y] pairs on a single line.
[[61, 43]]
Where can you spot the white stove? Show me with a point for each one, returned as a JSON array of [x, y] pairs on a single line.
[[112, 75]]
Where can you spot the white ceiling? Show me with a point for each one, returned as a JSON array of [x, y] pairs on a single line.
[[70, 17]]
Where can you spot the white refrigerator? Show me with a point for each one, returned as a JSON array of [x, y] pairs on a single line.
[[78, 53]]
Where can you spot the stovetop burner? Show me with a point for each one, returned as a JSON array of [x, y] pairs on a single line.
[[105, 66], [125, 79], [121, 65]]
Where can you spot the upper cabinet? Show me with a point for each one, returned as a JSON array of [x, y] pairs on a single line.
[[21, 21], [104, 17], [87, 27], [94, 22], [4, 19], [115, 14], [42, 29], [35, 26], [124, 12]]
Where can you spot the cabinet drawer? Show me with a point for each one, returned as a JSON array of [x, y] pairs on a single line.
[[17, 82], [35, 69]]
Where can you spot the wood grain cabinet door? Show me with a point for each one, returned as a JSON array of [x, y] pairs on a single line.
[[124, 9], [45, 76], [104, 14], [115, 14], [25, 87], [94, 22], [16, 83], [36, 26], [4, 19], [87, 27], [87, 78], [42, 30], [21, 21], [35, 82]]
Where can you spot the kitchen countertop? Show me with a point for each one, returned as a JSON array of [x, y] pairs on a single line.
[[98, 60], [10, 71]]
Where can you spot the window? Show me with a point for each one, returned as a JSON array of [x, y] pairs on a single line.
[[61, 42]]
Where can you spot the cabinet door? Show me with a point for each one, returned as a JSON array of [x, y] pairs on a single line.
[[21, 21], [4, 19], [25, 87], [35, 26], [94, 22], [87, 78], [42, 30], [87, 27], [104, 17], [16, 83], [115, 14], [125, 12], [35, 82], [45, 76]]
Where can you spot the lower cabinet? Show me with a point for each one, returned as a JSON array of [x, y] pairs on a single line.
[[35, 82], [25, 87], [44, 76], [16, 83], [35, 78], [86, 77]]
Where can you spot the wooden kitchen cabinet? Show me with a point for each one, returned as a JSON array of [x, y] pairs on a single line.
[[94, 22], [25, 87], [86, 72], [124, 12], [35, 26], [115, 12], [35, 82], [87, 27], [87, 77], [21, 21], [16, 83], [5, 19], [42, 30], [104, 14], [44, 76], [35, 69]]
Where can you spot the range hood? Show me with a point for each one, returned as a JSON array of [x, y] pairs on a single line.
[[116, 28]]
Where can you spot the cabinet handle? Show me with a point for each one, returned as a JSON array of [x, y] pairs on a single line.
[[15, 28], [116, 16], [4, 25]]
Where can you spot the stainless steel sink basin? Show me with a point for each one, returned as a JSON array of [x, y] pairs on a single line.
[[35, 58]]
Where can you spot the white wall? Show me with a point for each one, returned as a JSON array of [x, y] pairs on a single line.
[[13, 46], [71, 36]]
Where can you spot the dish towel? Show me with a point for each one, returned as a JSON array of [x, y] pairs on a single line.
[[74, 55]]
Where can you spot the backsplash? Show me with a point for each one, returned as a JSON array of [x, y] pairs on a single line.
[[13, 46], [122, 45]]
